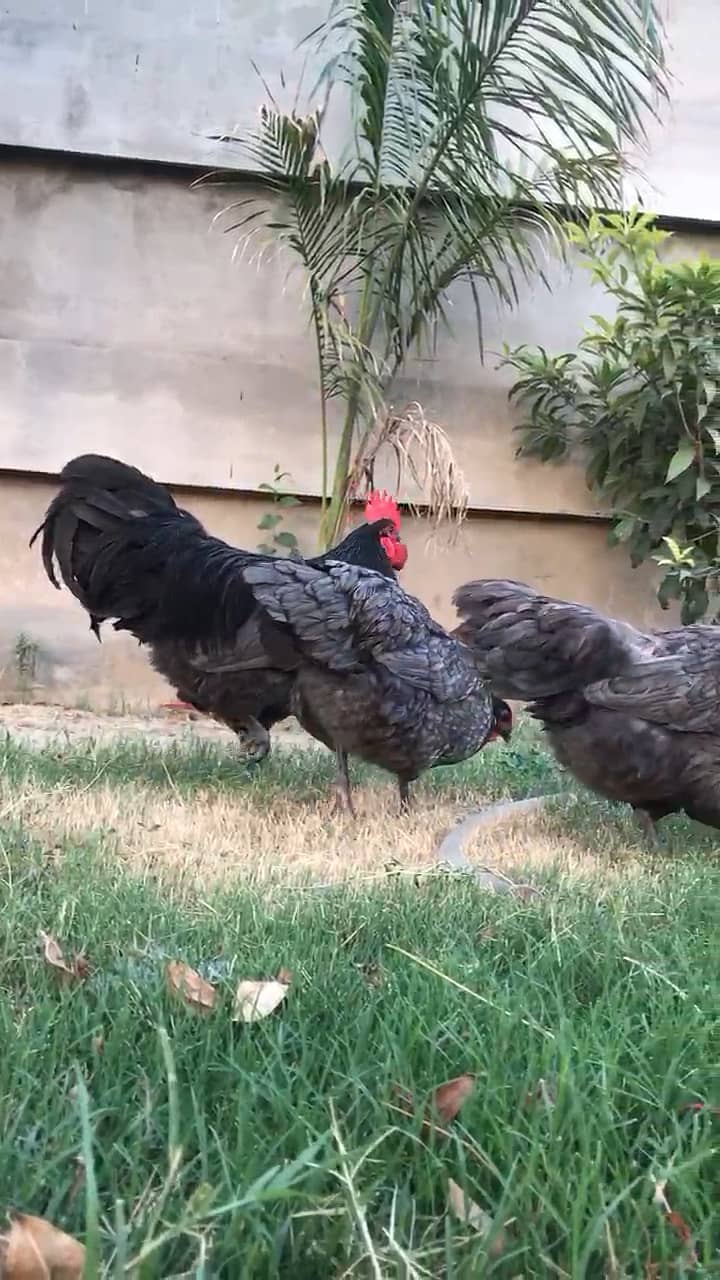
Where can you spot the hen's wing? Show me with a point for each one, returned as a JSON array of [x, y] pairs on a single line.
[[699, 638], [680, 692], [531, 646], [257, 644], [347, 618]]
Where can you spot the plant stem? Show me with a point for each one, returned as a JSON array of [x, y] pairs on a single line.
[[317, 322], [367, 323], [333, 514]]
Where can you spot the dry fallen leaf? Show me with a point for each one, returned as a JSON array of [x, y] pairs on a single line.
[[466, 1210], [33, 1249], [76, 971], [284, 976], [443, 1105], [81, 966], [255, 1000], [187, 983], [676, 1222], [448, 1098], [52, 952]]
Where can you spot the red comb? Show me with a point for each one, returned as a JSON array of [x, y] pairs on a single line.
[[380, 506]]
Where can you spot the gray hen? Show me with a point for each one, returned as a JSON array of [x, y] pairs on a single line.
[[377, 677], [634, 715]]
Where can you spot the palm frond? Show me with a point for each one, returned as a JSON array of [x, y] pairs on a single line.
[[477, 123]]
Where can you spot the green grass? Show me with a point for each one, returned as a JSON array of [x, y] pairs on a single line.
[[522, 769], [217, 1149]]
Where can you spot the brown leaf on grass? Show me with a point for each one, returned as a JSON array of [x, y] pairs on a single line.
[[466, 1210], [52, 953], [185, 982], [33, 1249], [257, 1000], [284, 976], [676, 1222], [447, 1099], [81, 966], [443, 1104], [679, 1226], [77, 970]]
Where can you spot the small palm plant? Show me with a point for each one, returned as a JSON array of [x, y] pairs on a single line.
[[477, 124]]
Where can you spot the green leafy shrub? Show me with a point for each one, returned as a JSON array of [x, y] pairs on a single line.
[[640, 402]]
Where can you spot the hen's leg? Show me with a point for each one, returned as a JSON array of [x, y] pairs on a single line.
[[404, 789], [255, 740], [343, 794], [649, 827]]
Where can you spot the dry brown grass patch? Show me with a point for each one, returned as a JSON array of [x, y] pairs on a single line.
[[210, 838]]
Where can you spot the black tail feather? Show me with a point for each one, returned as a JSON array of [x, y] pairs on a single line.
[[128, 553], [99, 498]]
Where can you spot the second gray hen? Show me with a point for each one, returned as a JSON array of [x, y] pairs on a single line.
[[378, 677], [633, 715]]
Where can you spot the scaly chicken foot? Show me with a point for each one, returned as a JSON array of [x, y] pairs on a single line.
[[254, 740], [649, 826], [343, 789]]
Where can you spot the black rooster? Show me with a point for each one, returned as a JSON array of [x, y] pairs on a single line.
[[129, 553], [633, 714]]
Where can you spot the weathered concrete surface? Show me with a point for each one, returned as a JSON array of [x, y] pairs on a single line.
[[69, 666], [126, 329], [152, 78], [679, 174], [144, 78]]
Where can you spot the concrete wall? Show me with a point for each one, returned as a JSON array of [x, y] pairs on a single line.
[[145, 78], [126, 328], [152, 78]]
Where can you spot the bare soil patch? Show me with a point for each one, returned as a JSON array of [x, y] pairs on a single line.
[[40, 725]]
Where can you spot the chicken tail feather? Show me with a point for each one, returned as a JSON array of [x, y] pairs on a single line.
[[99, 497]]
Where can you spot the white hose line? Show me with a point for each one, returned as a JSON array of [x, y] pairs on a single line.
[[451, 850]]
